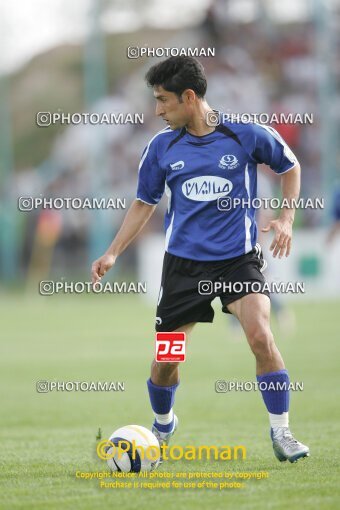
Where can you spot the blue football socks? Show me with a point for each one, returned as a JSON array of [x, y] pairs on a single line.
[[162, 399]]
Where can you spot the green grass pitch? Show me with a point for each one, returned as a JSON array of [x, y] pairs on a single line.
[[46, 438]]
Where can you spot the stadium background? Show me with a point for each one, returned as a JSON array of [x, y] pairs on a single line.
[[270, 57]]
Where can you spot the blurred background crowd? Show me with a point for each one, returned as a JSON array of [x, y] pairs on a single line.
[[270, 56]]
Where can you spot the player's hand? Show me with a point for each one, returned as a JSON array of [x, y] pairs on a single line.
[[101, 266], [283, 236]]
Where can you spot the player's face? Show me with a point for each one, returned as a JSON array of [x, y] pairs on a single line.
[[168, 106]]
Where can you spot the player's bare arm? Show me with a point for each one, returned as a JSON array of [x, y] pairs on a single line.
[[137, 216], [283, 225]]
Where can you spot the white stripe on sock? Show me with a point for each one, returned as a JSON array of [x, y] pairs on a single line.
[[279, 420], [164, 419]]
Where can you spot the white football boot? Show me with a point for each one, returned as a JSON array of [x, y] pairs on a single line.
[[164, 437], [286, 447]]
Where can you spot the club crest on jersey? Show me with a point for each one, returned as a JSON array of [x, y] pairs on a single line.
[[177, 166], [228, 162], [206, 188]]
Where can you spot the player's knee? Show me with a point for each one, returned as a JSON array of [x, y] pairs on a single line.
[[261, 341], [165, 367]]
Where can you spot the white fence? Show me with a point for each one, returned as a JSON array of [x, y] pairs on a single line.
[[311, 261]]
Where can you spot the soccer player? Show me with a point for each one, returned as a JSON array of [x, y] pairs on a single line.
[[197, 163]]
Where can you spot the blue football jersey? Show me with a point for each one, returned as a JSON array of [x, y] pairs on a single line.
[[196, 172]]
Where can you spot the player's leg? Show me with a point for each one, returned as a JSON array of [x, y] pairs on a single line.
[[167, 374], [162, 387], [179, 307], [253, 312]]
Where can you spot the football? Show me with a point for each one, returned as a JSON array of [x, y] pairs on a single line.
[[133, 448]]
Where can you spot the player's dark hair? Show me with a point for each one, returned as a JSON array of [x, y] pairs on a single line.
[[176, 74]]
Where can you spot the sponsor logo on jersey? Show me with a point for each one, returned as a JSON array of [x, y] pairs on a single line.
[[206, 188], [228, 162], [177, 166]]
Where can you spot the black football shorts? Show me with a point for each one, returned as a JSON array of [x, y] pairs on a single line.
[[189, 286]]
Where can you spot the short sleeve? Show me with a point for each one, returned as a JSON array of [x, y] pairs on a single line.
[[151, 178], [271, 149]]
